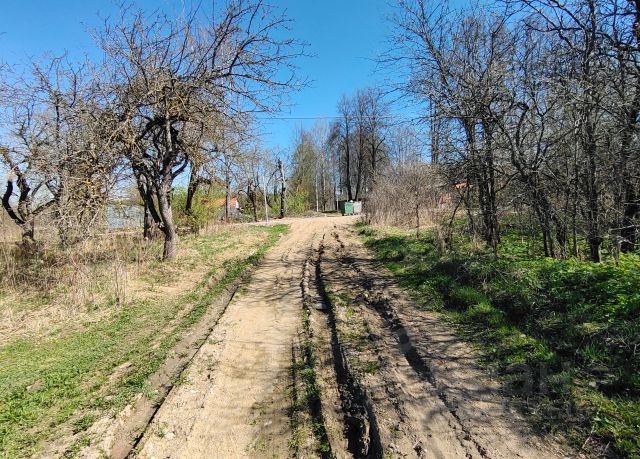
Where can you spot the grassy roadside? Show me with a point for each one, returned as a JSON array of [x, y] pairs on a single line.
[[56, 384], [563, 335]]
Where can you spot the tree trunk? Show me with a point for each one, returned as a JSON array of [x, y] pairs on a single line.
[[629, 196], [227, 195], [169, 228], [251, 193], [264, 194], [347, 152], [283, 190], [492, 230], [152, 220], [323, 184], [483, 174], [360, 165], [25, 220], [28, 233], [629, 231], [417, 217], [170, 243], [147, 231], [316, 192], [594, 238], [192, 188]]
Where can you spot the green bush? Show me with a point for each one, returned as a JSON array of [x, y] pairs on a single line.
[[297, 202], [205, 207], [465, 297]]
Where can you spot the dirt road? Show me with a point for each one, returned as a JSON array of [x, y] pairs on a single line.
[[322, 355]]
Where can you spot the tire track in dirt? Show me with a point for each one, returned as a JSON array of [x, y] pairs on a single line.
[[121, 436], [413, 422], [476, 407], [361, 425], [308, 368], [380, 303], [322, 328], [348, 416]]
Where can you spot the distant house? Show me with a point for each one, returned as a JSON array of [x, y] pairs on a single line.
[[234, 205], [446, 198]]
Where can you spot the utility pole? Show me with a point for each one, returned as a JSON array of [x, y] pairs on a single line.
[[283, 189], [317, 203], [227, 185], [264, 193]]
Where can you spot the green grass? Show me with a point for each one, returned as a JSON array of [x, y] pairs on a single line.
[[306, 413], [574, 324], [59, 383]]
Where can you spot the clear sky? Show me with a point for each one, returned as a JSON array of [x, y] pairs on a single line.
[[345, 36]]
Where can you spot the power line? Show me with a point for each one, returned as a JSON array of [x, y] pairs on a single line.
[[285, 118], [332, 117]]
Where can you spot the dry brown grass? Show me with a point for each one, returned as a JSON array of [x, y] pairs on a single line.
[[81, 339], [48, 287]]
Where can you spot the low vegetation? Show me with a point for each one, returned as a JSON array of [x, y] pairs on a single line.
[[564, 334], [90, 358], [306, 412]]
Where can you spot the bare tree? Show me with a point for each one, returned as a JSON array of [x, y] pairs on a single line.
[[373, 123], [342, 139], [171, 77], [458, 63], [254, 165], [536, 104], [30, 201], [60, 154]]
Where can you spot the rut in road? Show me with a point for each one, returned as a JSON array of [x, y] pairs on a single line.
[[412, 421], [414, 345], [321, 327], [360, 433], [380, 303]]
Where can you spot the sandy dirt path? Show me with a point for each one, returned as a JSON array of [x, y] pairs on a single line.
[[233, 400], [404, 388]]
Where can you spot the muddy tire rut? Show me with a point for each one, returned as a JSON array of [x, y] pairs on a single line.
[[358, 415], [410, 423]]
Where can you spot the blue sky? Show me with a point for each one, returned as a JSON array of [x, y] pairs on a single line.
[[345, 36]]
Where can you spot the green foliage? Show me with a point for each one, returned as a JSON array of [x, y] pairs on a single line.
[[307, 408], [297, 201], [303, 176], [578, 320], [205, 207]]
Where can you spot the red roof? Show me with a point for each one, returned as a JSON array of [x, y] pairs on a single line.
[[233, 202]]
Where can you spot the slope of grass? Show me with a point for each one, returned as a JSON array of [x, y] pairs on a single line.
[[564, 335], [58, 383]]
